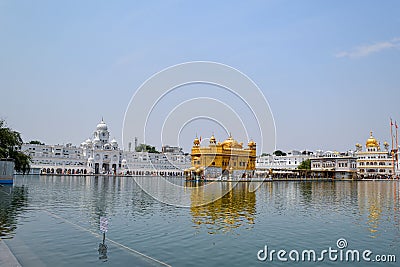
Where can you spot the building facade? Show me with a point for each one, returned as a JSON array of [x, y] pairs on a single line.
[[103, 156], [56, 159], [99, 155], [227, 159], [373, 162], [290, 161], [158, 164], [344, 165], [171, 149]]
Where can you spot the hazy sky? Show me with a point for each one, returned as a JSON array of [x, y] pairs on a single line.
[[330, 70]]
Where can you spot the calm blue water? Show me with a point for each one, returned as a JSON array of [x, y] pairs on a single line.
[[54, 221]]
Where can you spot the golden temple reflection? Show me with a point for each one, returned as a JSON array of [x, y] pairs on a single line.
[[235, 209], [373, 199], [373, 219]]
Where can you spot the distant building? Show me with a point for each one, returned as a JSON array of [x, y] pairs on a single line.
[[56, 159], [102, 156], [397, 171], [228, 159], [171, 149], [99, 155], [290, 161], [372, 162], [92, 157], [343, 164], [145, 163]]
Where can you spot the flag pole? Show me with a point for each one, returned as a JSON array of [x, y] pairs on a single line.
[[391, 131], [397, 144], [392, 152], [397, 140]]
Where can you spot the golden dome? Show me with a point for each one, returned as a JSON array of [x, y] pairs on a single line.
[[371, 141], [196, 141], [230, 142], [251, 143], [212, 139]]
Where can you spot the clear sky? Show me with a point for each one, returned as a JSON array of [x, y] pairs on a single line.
[[330, 70]]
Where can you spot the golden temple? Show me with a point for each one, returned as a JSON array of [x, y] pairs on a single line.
[[222, 159]]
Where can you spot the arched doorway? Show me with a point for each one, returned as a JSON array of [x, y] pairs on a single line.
[[114, 168], [105, 167], [96, 168]]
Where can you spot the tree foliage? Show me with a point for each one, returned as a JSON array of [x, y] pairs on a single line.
[[279, 153], [35, 142], [305, 165], [10, 143], [146, 148]]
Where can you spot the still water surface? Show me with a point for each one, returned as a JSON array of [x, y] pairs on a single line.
[[54, 221]]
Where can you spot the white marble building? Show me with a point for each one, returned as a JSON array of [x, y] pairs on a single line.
[[343, 164], [56, 159], [165, 164], [373, 162], [290, 161], [99, 155], [103, 156]]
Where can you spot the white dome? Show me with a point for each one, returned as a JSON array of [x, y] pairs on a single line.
[[102, 126], [123, 161], [89, 142], [114, 142]]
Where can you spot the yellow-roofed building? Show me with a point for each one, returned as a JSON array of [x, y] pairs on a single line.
[[373, 162], [222, 159]]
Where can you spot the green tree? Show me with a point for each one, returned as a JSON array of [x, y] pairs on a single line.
[[10, 143], [279, 153], [305, 165], [36, 142], [265, 154], [146, 148]]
